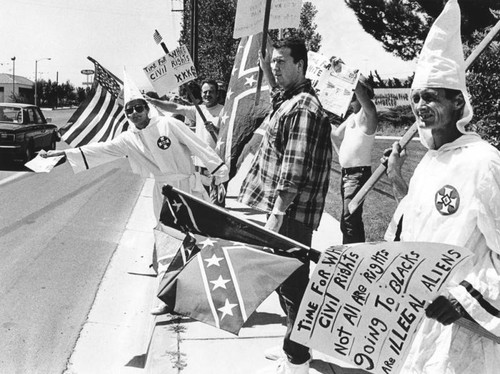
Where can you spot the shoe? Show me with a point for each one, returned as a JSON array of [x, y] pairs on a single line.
[[276, 353], [159, 310], [286, 367]]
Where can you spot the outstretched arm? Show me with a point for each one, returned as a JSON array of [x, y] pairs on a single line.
[[168, 106]]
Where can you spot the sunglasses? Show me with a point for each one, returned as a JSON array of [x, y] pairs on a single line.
[[137, 108]]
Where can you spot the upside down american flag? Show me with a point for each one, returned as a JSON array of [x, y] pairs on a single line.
[[240, 116], [100, 116]]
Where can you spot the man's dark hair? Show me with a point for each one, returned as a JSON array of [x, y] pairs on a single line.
[[211, 82], [298, 49]]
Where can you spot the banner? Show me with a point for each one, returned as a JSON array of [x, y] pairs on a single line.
[[171, 71], [365, 302], [387, 98], [249, 18]]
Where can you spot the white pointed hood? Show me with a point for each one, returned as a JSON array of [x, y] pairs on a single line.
[[441, 61], [130, 90]]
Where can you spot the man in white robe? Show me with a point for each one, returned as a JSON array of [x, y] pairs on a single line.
[[161, 147], [454, 198]]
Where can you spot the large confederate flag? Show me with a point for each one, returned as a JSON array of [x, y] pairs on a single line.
[[240, 116]]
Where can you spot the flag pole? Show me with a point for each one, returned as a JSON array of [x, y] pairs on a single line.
[[406, 138], [191, 96], [263, 48]]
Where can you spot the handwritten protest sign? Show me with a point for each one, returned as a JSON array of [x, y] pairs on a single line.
[[249, 18], [317, 64], [365, 302], [171, 71]]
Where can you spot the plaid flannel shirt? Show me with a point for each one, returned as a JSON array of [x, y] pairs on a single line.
[[295, 156]]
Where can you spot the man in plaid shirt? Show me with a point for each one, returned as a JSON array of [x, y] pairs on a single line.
[[290, 173]]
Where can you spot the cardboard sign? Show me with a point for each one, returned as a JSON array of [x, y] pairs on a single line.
[[365, 302], [171, 71], [250, 16]]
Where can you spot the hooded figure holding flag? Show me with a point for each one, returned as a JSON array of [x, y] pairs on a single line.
[[454, 198], [157, 146]]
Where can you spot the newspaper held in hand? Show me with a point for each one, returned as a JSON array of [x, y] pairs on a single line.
[[43, 165]]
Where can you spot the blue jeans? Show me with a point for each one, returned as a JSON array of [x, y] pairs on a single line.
[[351, 225], [291, 291]]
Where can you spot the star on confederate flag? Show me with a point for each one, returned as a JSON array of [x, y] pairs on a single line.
[[220, 282], [240, 116]]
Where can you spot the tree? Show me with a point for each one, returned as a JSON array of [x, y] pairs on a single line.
[[307, 28], [402, 25], [217, 47]]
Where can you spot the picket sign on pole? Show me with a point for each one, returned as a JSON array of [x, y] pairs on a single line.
[[406, 138], [265, 29], [193, 100]]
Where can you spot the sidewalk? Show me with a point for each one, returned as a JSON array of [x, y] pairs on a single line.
[[121, 336]]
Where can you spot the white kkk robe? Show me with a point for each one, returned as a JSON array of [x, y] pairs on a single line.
[[163, 149], [454, 198]]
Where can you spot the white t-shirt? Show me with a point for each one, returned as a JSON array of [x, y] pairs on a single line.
[[211, 114], [356, 147]]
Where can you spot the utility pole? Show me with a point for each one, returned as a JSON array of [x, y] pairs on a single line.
[[194, 32], [14, 77]]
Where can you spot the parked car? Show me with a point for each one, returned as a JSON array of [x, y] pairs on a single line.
[[24, 130]]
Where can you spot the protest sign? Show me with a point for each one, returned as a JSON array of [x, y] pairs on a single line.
[[335, 88], [317, 64], [365, 302], [249, 18], [171, 70]]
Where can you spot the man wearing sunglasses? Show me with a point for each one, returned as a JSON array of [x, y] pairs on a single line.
[[161, 146]]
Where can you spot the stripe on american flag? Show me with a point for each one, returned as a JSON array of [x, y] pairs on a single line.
[[100, 117]]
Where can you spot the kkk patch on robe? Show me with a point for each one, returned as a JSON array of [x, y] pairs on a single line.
[[447, 200], [163, 142]]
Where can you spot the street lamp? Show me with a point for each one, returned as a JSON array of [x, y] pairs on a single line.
[[36, 73], [14, 77]]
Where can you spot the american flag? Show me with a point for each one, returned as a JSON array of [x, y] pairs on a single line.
[[221, 282], [100, 117], [157, 37], [240, 116]]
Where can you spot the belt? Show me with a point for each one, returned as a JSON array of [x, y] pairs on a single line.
[[356, 169]]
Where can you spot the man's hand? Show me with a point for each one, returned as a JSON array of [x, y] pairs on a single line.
[[52, 154], [274, 222], [443, 311], [211, 127]]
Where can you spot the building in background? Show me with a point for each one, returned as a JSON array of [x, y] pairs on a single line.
[[23, 88]]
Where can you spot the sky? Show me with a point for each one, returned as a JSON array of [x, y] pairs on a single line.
[[118, 34]]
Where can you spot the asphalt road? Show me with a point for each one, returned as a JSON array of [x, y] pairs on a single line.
[[58, 232]]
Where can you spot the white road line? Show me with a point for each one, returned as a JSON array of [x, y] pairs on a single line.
[[13, 177]]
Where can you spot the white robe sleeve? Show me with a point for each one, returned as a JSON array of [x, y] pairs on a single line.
[[479, 292], [95, 154], [200, 149]]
